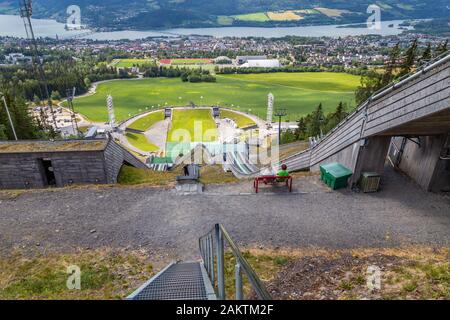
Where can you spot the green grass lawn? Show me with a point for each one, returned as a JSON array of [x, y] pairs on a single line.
[[148, 121], [105, 274], [128, 63], [258, 16], [241, 120], [141, 142], [192, 125], [299, 93]]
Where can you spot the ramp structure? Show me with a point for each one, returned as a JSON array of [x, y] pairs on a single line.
[[417, 105]]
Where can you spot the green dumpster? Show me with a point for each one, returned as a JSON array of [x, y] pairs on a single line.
[[335, 175]]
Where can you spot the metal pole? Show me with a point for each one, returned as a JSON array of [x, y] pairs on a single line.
[[211, 258], [279, 129], [238, 275], [9, 117], [220, 261]]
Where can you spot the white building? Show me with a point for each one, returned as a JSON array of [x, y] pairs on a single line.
[[269, 63], [16, 58]]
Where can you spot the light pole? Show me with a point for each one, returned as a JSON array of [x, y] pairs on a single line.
[[9, 116], [280, 113]]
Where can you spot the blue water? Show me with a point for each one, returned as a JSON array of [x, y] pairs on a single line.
[[11, 25]]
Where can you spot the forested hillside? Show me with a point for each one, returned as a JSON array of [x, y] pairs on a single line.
[[141, 14]]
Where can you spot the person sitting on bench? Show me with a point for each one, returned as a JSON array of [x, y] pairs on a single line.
[[283, 172]]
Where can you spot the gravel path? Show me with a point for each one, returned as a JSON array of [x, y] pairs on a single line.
[[168, 224]]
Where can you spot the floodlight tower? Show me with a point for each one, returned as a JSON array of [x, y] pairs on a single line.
[[70, 95], [280, 113], [26, 11], [111, 115], [270, 102]]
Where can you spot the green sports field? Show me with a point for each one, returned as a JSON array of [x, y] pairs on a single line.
[[144, 123], [128, 63], [299, 93], [192, 125], [141, 142], [241, 120]]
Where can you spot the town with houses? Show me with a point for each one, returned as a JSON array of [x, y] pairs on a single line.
[[348, 52]]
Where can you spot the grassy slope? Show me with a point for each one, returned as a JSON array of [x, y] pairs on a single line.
[[141, 142], [190, 120], [135, 176], [258, 16], [241, 120], [299, 93], [105, 274], [148, 121]]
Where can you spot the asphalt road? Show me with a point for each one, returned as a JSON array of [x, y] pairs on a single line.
[[170, 224]]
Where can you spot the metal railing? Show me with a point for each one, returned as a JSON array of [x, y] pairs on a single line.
[[436, 62], [212, 249]]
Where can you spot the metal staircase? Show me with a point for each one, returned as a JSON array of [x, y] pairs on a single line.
[[178, 281], [204, 280]]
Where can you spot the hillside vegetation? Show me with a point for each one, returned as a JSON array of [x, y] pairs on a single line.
[[142, 14]]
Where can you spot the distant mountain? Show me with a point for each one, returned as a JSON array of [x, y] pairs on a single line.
[[145, 14]]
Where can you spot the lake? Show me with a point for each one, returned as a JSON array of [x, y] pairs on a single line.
[[11, 25]]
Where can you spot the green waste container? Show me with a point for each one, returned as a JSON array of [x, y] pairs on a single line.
[[335, 175]]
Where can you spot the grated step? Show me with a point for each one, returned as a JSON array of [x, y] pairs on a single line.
[[179, 281]]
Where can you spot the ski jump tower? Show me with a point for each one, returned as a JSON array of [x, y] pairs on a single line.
[[111, 115], [270, 102]]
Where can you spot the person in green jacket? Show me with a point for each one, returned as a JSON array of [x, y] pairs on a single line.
[[283, 172]]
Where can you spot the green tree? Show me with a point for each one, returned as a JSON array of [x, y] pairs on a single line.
[[25, 125], [409, 59], [317, 120], [427, 54], [333, 119], [3, 135], [370, 83], [55, 95], [36, 100], [389, 73], [301, 131], [87, 82], [288, 136]]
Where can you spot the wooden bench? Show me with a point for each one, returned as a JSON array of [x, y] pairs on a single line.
[[272, 180]]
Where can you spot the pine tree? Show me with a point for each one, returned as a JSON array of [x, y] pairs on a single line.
[[427, 54], [3, 135], [24, 124], [316, 121], [301, 130], [389, 74], [409, 59], [336, 117]]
